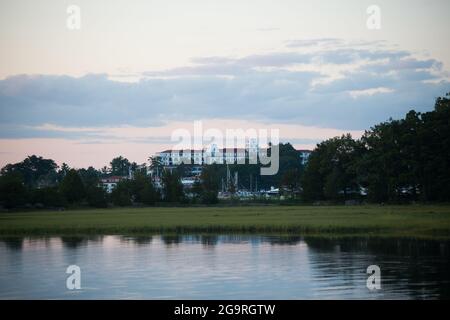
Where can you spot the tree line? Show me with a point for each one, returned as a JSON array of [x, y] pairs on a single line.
[[37, 182], [394, 161]]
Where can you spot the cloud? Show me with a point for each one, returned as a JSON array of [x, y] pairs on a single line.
[[369, 92], [344, 86], [313, 42]]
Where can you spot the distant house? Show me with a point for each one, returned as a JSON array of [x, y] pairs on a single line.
[[109, 183]]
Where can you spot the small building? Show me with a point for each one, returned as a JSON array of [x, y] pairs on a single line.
[[109, 183]]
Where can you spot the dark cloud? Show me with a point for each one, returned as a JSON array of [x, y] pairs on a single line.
[[253, 92]]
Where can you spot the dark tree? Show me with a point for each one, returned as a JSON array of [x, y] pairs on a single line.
[[13, 192], [172, 187], [89, 176], [63, 171], [72, 187], [331, 170], [290, 181], [35, 171], [96, 197], [120, 166], [208, 188], [395, 161], [142, 189], [47, 197], [156, 165], [122, 193], [148, 194]]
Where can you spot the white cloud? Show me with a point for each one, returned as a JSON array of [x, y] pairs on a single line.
[[369, 92]]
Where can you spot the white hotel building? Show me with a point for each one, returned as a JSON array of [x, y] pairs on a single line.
[[209, 155]]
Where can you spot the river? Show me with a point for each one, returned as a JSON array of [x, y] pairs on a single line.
[[222, 267]]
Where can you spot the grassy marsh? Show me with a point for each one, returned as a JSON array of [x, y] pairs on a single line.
[[418, 221]]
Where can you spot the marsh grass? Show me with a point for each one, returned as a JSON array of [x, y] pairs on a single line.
[[416, 221]]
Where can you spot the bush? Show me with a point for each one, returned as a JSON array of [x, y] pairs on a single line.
[[121, 195], [96, 197], [47, 197], [72, 187], [13, 192]]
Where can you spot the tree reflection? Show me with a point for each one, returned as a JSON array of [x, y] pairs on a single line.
[[139, 240], [414, 267], [172, 239], [74, 242], [209, 240], [284, 240], [13, 243]]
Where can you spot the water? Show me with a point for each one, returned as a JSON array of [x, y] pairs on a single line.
[[222, 267]]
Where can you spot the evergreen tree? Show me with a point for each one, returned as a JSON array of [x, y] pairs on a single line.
[[72, 187]]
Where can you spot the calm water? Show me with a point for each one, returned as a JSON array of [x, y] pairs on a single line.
[[222, 267]]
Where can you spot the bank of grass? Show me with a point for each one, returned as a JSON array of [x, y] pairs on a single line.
[[412, 221]]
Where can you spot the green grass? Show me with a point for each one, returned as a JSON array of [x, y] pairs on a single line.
[[418, 221]]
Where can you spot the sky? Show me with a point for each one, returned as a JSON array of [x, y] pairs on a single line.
[[134, 72]]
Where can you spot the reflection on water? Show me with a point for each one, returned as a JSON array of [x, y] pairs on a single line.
[[223, 267]]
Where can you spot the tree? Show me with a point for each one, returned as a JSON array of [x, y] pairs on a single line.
[[435, 155], [95, 194], [121, 195], [156, 165], [89, 176], [382, 162], [138, 190], [47, 197], [63, 171], [312, 183], [13, 192], [72, 187], [290, 181], [148, 195], [331, 170], [289, 160], [105, 171], [120, 166], [35, 171], [197, 191], [142, 189], [96, 197], [397, 160], [208, 187], [172, 187]]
